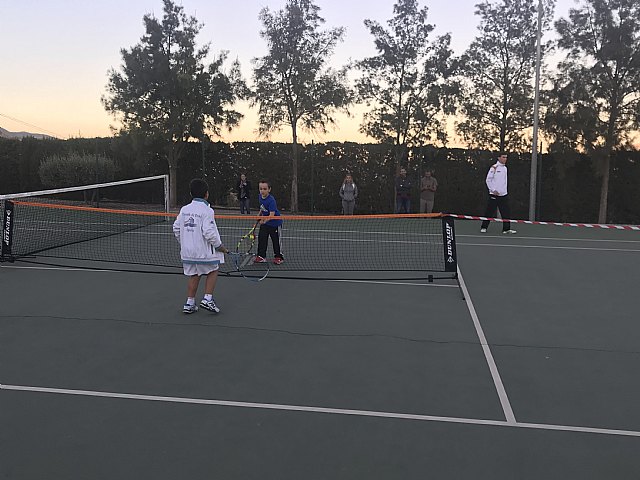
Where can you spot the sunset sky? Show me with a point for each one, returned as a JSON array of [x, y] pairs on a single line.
[[55, 55]]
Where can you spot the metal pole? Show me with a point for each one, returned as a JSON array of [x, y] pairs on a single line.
[[536, 105], [539, 186], [202, 142], [167, 200], [97, 176], [313, 154]]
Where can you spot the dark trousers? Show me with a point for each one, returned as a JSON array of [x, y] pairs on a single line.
[[502, 203], [264, 233], [244, 205], [403, 204]]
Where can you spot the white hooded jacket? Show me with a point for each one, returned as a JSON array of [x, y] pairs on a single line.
[[196, 230], [497, 179]]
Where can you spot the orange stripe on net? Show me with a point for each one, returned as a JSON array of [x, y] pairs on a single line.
[[54, 206]]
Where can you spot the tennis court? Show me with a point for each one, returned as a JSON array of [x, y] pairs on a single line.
[[527, 369]]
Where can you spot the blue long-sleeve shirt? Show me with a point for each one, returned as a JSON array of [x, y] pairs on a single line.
[[268, 205]]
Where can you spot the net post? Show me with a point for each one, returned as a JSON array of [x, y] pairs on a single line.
[[166, 193], [7, 231], [449, 244]]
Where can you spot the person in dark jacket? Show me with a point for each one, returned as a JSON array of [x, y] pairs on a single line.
[[244, 192], [403, 192]]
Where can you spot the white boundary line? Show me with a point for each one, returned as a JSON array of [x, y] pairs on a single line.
[[391, 282], [66, 269], [548, 247], [604, 226], [520, 237], [502, 394], [332, 411]]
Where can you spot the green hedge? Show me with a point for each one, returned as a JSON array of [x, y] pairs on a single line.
[[569, 186]]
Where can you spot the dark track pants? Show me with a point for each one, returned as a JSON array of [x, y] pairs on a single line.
[[264, 233], [494, 204], [244, 206]]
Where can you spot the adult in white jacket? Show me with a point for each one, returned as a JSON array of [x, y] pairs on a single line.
[[498, 195], [201, 248]]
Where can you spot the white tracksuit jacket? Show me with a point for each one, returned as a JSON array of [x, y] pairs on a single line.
[[197, 232], [497, 179]]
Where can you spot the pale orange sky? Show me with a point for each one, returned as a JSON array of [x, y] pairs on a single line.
[[56, 55]]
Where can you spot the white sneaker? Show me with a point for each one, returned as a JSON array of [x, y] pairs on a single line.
[[483, 230], [509, 232], [210, 305], [189, 308]]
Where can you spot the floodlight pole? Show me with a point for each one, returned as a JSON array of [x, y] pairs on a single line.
[[536, 106], [202, 142], [313, 154]]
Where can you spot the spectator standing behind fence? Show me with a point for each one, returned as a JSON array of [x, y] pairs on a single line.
[[498, 195], [348, 194], [403, 192], [428, 187], [244, 193]]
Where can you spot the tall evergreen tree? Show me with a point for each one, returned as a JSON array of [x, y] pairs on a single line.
[[595, 99], [165, 92], [293, 85], [498, 71], [409, 84]]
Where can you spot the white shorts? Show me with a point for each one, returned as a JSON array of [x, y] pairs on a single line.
[[191, 269]]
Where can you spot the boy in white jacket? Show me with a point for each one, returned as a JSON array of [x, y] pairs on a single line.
[[201, 248]]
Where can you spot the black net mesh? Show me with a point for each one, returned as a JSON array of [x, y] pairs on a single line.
[[72, 229]]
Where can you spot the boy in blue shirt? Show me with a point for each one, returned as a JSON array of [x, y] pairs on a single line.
[[268, 228]]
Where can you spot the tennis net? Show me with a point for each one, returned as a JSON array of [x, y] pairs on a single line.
[[127, 233]]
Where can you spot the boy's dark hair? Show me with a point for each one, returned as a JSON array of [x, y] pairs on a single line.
[[265, 181], [198, 188]]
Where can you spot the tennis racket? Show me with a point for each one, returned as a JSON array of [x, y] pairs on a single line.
[[244, 257]]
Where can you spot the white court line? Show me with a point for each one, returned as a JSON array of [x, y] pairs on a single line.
[[326, 410], [504, 245], [168, 232], [69, 269], [516, 237], [361, 240], [391, 283], [502, 394]]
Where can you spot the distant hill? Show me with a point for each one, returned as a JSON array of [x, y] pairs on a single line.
[[7, 134]]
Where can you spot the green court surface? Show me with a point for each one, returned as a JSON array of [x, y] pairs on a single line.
[[527, 369]]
